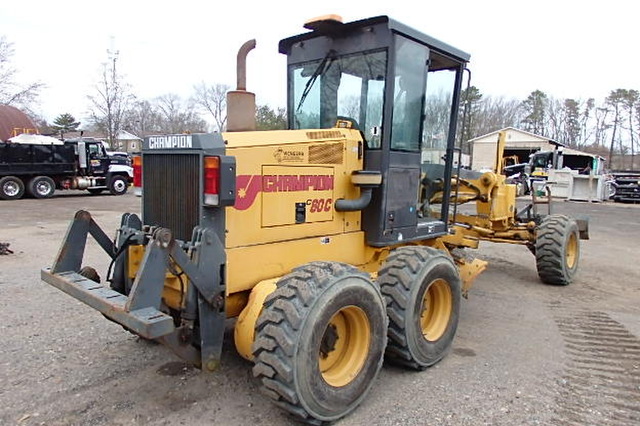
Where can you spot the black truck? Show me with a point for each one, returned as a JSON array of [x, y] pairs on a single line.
[[39, 169]]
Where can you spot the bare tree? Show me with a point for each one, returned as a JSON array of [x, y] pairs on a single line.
[[497, 113], [563, 121], [350, 107], [176, 117], [112, 100], [554, 114], [213, 100], [585, 118], [436, 119], [12, 93], [602, 125], [143, 119]]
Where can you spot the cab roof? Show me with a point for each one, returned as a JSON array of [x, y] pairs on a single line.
[[336, 29]]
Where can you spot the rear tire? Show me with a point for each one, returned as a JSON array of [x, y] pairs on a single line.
[[42, 187], [422, 288], [320, 340], [11, 188], [557, 249], [118, 185]]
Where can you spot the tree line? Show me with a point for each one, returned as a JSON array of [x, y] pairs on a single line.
[[113, 105], [610, 128]]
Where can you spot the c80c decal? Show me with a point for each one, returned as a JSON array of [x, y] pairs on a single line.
[[318, 205]]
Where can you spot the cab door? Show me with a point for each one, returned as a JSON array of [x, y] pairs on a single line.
[[418, 139], [403, 176], [98, 160]]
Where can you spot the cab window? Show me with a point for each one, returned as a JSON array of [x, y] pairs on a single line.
[[349, 86], [408, 94], [94, 151]]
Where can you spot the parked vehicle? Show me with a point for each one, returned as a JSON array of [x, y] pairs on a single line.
[[287, 230], [626, 185], [38, 165], [120, 154]]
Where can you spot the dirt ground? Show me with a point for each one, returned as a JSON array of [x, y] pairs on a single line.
[[525, 353]]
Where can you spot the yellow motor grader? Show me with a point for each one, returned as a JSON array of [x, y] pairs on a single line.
[[336, 244]]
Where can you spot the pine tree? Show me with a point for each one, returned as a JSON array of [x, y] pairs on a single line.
[[469, 115], [270, 119], [535, 107], [571, 122], [615, 100], [65, 123], [630, 104]]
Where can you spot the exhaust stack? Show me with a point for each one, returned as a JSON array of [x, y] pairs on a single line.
[[241, 105]]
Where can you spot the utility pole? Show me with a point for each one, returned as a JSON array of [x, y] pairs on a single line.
[[113, 93]]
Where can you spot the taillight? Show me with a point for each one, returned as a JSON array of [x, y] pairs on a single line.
[[137, 171], [211, 180], [137, 175]]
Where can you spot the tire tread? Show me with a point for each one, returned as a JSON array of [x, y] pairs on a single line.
[[279, 327], [551, 235], [396, 277]]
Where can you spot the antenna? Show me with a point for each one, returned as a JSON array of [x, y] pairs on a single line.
[[112, 52]]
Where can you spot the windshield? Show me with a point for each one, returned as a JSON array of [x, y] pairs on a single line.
[[350, 86]]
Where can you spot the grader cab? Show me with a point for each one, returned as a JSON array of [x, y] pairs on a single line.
[[336, 244]]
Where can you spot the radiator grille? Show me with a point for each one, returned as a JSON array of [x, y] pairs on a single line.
[[326, 153], [171, 192]]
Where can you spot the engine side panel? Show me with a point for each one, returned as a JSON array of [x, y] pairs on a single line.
[[287, 184]]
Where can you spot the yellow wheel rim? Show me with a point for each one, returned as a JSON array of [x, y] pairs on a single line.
[[436, 310], [344, 346], [572, 251]]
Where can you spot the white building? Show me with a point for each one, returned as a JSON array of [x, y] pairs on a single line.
[[519, 143], [127, 142]]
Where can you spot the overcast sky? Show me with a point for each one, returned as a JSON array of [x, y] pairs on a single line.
[[565, 48]]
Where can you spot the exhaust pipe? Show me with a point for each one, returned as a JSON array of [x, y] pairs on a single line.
[[241, 105]]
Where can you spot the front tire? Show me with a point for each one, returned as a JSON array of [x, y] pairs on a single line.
[[422, 288], [320, 340], [118, 185], [42, 187], [11, 188], [557, 249]]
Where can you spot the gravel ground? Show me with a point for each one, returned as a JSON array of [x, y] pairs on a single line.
[[525, 353]]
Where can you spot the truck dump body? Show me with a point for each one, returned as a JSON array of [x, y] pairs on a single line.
[[20, 159]]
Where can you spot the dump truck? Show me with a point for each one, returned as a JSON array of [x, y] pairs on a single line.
[[38, 165], [332, 245]]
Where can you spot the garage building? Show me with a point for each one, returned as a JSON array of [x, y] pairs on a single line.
[[519, 143]]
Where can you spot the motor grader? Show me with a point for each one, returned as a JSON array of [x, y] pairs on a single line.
[[335, 244]]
